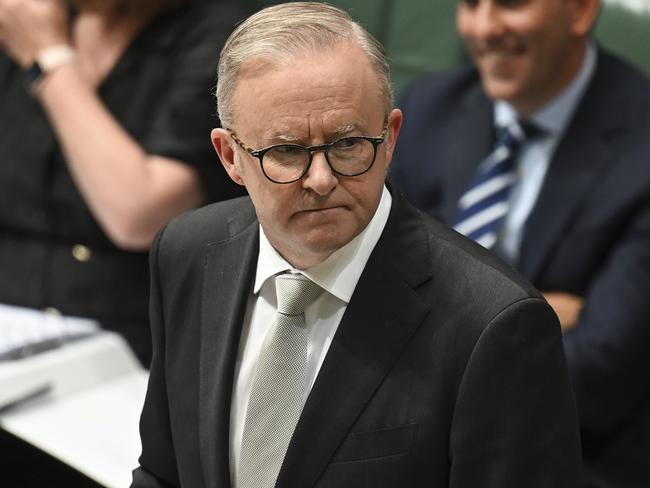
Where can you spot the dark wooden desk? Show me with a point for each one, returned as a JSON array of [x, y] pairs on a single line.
[[25, 466]]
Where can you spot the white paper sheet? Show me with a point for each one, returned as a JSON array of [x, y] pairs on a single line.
[[89, 419]]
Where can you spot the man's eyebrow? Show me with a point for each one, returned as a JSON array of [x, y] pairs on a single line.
[[283, 137], [279, 137], [345, 129]]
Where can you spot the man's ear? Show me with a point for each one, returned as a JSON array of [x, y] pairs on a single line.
[[395, 119], [223, 144], [584, 15]]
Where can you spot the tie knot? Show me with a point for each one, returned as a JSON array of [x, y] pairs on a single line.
[[511, 136], [295, 292], [516, 133]]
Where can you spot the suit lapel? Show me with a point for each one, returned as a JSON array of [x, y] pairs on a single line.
[[573, 172], [471, 136], [227, 278], [381, 317], [580, 160]]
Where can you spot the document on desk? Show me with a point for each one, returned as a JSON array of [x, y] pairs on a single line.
[[25, 331], [88, 416]]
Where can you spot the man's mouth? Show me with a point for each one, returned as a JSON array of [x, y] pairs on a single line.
[[322, 210], [498, 52]]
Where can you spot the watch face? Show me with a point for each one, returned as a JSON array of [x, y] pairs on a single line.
[[49, 60], [34, 73]]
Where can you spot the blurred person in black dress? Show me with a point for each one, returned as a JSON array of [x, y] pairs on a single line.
[[104, 135]]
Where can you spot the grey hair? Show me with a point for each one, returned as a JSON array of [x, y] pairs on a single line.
[[282, 32]]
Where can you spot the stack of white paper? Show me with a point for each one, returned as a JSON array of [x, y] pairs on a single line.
[[80, 403]]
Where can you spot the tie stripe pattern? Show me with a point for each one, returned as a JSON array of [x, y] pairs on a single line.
[[483, 207], [278, 386]]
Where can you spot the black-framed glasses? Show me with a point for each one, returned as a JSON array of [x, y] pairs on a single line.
[[286, 163]]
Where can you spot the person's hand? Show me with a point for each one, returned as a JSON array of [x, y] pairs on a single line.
[[29, 26], [566, 306]]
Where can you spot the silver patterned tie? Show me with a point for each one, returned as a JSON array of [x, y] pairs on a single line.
[[278, 386]]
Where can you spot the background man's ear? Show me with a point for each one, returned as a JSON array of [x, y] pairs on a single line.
[[395, 119], [223, 144], [585, 13]]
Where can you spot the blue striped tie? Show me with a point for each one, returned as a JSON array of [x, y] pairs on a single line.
[[483, 207]]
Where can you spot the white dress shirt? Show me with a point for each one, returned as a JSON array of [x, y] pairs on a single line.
[[337, 275], [535, 155]]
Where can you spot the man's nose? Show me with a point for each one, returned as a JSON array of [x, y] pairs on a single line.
[[320, 178], [485, 22]]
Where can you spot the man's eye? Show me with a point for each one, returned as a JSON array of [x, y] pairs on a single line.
[[513, 3], [500, 3], [287, 150], [348, 143]]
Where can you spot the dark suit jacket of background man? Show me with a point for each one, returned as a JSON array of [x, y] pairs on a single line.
[[441, 349], [588, 234]]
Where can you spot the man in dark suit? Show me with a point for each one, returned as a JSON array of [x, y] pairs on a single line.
[[578, 211], [425, 360]]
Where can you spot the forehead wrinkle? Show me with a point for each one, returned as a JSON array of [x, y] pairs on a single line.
[[313, 111]]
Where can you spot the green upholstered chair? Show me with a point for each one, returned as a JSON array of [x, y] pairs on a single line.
[[626, 30]]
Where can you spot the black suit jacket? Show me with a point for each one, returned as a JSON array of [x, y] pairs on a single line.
[[588, 234], [446, 370]]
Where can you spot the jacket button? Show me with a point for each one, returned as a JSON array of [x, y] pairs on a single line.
[[81, 253]]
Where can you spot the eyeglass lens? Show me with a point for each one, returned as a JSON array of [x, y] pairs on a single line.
[[349, 156]]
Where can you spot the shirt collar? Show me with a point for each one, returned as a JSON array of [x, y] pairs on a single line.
[[341, 271], [554, 117]]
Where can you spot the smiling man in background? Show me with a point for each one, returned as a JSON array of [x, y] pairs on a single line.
[[540, 153]]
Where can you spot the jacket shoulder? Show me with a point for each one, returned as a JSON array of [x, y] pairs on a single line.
[[441, 88], [213, 223], [488, 272], [449, 270]]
